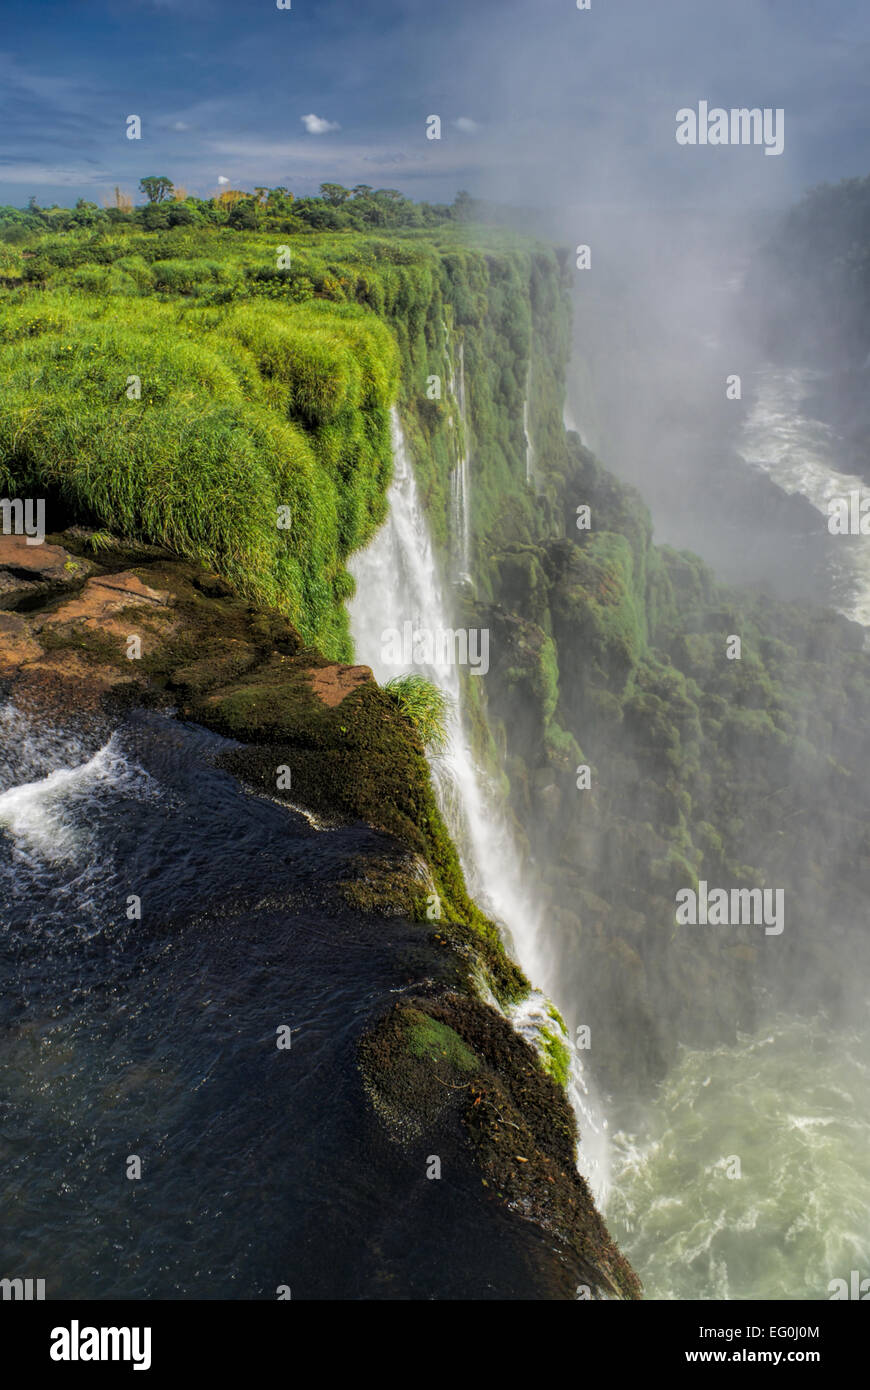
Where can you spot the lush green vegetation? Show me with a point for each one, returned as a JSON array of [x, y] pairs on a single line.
[[425, 706], [265, 209], [611, 652], [227, 394], [267, 385]]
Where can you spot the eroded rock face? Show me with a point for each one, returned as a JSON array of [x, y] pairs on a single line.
[[65, 636]]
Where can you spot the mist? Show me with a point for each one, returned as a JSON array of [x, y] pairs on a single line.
[[653, 765], [707, 377]]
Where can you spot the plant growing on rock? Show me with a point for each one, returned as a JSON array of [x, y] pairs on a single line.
[[425, 706]]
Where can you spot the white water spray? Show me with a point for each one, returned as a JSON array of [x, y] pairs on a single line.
[[48, 814], [397, 581], [530, 452], [460, 482], [801, 455]]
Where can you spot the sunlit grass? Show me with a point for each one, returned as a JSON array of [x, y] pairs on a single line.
[[425, 705]]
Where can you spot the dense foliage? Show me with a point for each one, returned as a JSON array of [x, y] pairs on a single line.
[[228, 394]]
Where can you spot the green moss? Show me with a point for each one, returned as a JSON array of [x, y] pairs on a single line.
[[554, 1014], [453, 1068], [430, 1039], [555, 1057]]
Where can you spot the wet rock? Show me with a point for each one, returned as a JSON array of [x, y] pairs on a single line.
[[31, 572]]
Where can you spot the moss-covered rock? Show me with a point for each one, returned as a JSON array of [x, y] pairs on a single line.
[[446, 1067]]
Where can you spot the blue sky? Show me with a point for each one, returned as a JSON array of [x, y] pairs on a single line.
[[539, 102]]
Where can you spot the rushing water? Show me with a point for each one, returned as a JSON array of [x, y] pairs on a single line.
[[156, 1037], [398, 582], [803, 455], [792, 1106]]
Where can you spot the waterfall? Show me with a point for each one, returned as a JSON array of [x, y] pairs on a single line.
[[460, 492], [398, 583], [530, 452]]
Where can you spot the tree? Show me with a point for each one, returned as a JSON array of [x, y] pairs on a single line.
[[154, 218], [121, 202], [316, 213], [361, 190], [156, 190], [244, 215], [182, 215], [334, 194], [228, 197], [85, 213]]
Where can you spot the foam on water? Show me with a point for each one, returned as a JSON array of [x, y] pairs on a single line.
[[792, 1105], [40, 814], [801, 455], [54, 808]]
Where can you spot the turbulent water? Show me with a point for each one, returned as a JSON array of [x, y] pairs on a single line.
[[155, 1036], [398, 581], [791, 1104], [803, 456], [792, 1107]]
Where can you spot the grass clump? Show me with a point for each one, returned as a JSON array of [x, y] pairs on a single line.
[[425, 706], [198, 428]]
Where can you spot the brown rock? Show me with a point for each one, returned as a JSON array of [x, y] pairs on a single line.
[[332, 683], [17, 647], [100, 602], [27, 570]]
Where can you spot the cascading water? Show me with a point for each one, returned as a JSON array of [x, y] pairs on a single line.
[[530, 452], [398, 584], [460, 490]]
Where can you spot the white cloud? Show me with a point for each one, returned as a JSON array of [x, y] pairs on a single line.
[[466, 125], [222, 179], [316, 125], [180, 125]]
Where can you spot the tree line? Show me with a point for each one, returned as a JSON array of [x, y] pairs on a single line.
[[276, 209]]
